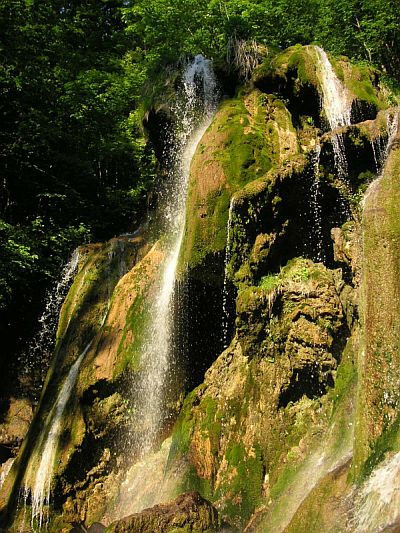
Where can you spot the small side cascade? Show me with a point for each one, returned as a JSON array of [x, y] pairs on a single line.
[[392, 126], [336, 103], [380, 148], [316, 204], [225, 295], [378, 504], [41, 346], [38, 477]]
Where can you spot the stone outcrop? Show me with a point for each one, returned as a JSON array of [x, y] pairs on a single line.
[[189, 513]]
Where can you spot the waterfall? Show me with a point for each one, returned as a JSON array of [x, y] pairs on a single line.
[[378, 504], [315, 204], [380, 148], [228, 250], [41, 346], [38, 478], [391, 127], [194, 110], [336, 102], [378, 152]]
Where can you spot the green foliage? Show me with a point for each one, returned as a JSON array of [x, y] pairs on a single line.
[[73, 158]]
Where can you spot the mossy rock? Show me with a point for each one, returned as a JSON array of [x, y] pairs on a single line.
[[250, 134], [235, 430], [299, 59], [377, 418], [189, 513]]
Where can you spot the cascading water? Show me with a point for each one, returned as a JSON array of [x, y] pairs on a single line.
[[336, 103], [315, 204], [38, 478], [40, 349], [194, 111], [392, 127], [378, 505], [228, 249]]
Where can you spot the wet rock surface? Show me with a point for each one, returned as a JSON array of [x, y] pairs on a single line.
[[188, 513]]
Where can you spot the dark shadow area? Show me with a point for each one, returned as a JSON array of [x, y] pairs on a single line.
[[301, 99], [5, 453], [293, 222], [199, 337], [362, 110], [305, 381]]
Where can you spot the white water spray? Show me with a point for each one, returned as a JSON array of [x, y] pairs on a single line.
[[315, 203], [378, 505], [228, 253], [41, 346], [336, 102], [194, 110], [38, 480], [392, 126]]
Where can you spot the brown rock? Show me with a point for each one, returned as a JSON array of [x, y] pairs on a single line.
[[189, 511]]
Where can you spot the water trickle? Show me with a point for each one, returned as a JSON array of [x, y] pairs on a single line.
[[194, 110], [225, 295], [5, 469], [316, 205], [41, 347], [392, 126], [38, 478], [378, 152], [336, 103]]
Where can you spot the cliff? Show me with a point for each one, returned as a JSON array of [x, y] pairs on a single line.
[[282, 399]]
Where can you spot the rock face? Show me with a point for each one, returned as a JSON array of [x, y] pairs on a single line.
[[380, 376], [188, 513], [265, 427]]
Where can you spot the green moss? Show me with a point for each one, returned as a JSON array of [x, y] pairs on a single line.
[[243, 482], [184, 426], [244, 142], [389, 441], [193, 482], [131, 345], [296, 58], [378, 392]]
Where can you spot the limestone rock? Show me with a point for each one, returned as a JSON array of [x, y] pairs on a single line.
[[188, 513], [15, 425]]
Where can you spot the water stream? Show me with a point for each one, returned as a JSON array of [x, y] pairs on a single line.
[[38, 477], [336, 103], [41, 347], [194, 110], [378, 504], [392, 127], [225, 294], [316, 205]]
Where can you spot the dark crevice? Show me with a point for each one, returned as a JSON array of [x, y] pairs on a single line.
[[306, 381], [362, 110], [198, 321], [6, 453], [301, 99], [293, 223]]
